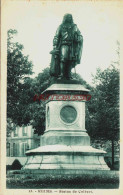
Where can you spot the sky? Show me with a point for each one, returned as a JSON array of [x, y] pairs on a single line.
[[37, 21]]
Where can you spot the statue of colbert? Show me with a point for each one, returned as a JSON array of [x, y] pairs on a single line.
[[67, 48]]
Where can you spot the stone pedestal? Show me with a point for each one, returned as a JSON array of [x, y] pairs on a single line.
[[65, 144]]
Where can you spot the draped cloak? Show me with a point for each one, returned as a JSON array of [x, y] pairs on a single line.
[[71, 37]]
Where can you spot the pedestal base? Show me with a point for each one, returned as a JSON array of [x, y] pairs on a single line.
[[61, 157]]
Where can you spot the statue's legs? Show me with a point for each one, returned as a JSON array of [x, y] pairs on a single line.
[[68, 69], [64, 54], [62, 69]]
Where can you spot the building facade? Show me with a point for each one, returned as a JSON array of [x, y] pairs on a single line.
[[19, 141]]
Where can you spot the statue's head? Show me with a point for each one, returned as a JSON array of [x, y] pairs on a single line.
[[67, 18]]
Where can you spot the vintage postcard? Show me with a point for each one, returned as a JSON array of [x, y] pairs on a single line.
[[60, 97]]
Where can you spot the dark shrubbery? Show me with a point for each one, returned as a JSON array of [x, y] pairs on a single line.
[[16, 165], [116, 164]]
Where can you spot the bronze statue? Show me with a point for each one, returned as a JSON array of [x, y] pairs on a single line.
[[67, 48]]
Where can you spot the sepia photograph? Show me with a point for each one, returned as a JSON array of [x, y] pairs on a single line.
[[60, 95]]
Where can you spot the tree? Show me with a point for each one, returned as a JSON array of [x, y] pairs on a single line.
[[18, 69], [104, 106]]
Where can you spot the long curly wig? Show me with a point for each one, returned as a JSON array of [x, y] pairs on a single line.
[[65, 17]]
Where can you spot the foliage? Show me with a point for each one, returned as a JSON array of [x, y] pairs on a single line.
[[37, 108], [104, 105], [9, 126], [16, 165], [18, 83]]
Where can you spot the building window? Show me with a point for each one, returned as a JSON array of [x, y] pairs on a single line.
[[16, 131], [14, 149], [24, 131], [25, 147], [8, 149]]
